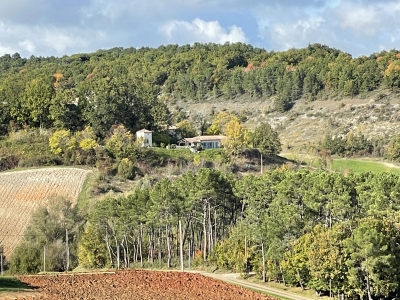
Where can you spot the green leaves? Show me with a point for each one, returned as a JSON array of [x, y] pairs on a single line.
[[374, 255], [266, 139]]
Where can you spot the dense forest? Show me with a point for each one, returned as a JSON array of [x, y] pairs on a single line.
[[333, 233], [132, 86]]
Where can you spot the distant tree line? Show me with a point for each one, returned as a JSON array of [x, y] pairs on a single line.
[[131, 86]]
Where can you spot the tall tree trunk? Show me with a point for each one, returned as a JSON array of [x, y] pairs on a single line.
[[151, 246], [300, 281], [210, 230], [368, 288], [169, 247], [187, 227], [180, 245], [283, 276], [126, 251], [159, 245], [140, 237], [205, 231], [108, 246], [263, 262], [215, 227]]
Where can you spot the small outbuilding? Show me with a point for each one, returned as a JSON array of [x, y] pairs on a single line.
[[146, 136]]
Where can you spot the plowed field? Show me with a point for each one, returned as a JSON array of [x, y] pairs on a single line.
[[22, 192], [135, 285]]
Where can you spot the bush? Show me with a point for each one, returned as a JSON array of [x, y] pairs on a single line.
[[39, 161], [126, 169], [8, 162]]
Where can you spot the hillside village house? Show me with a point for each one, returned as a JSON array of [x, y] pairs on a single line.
[[205, 141], [146, 136]]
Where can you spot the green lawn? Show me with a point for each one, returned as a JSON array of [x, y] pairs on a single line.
[[344, 165], [359, 166], [9, 284]]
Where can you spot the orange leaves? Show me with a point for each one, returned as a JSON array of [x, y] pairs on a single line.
[[250, 67], [57, 77]]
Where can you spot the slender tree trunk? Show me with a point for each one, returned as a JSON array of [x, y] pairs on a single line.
[[180, 244], [168, 246], [263, 262], [189, 252], [187, 227], [205, 231], [135, 253], [300, 281], [140, 245], [215, 228], [126, 251], [109, 247], [283, 276], [118, 257], [67, 250], [151, 246], [210, 230], [159, 245], [368, 288]]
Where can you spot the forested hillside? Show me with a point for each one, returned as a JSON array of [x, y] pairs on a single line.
[[132, 86]]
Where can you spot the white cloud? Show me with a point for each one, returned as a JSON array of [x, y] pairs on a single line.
[[109, 9], [202, 31], [6, 49], [359, 18], [27, 40], [59, 40], [290, 35], [28, 46]]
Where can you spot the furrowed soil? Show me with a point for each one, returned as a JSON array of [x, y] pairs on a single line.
[[21, 192], [133, 285]]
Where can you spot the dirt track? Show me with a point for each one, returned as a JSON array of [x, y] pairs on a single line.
[[235, 279], [135, 285]]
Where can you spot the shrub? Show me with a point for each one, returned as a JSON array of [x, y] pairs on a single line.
[[126, 169]]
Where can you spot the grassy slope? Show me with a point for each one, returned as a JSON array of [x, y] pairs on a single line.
[[356, 165], [361, 165]]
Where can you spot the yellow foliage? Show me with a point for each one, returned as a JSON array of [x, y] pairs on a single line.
[[220, 121], [236, 137], [59, 141], [88, 144], [197, 160]]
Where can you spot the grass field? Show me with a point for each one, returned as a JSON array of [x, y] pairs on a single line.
[[11, 284], [358, 165]]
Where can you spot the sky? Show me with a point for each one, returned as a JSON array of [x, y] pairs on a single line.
[[65, 27]]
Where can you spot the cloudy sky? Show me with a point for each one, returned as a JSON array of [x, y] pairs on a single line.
[[58, 27]]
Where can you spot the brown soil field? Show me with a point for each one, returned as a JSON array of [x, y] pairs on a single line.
[[133, 285], [21, 192]]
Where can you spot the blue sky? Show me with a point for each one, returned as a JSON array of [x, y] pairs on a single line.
[[58, 27]]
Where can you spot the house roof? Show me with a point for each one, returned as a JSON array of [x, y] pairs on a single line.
[[203, 138], [172, 127], [144, 130]]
